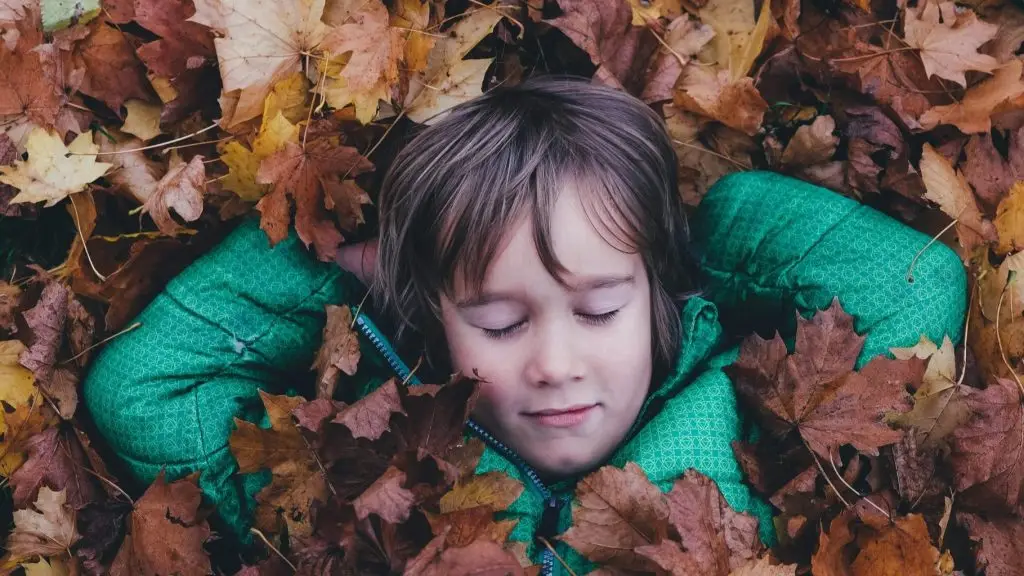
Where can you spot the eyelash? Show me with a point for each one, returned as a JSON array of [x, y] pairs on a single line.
[[592, 319]]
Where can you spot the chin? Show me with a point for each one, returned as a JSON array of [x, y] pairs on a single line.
[[567, 464]]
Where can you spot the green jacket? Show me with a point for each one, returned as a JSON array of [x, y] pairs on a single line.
[[247, 317]]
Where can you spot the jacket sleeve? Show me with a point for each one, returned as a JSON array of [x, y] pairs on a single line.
[[770, 245], [244, 317]]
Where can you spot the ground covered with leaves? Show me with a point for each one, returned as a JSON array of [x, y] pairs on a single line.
[[135, 133]]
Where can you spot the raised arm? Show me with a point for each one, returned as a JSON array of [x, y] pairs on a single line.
[[770, 244]]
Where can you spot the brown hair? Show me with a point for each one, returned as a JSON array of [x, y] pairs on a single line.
[[453, 192]]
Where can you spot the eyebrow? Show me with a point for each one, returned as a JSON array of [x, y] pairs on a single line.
[[586, 285]]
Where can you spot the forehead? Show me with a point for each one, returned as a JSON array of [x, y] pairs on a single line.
[[577, 237]]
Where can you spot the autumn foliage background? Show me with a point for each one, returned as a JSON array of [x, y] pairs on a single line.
[[134, 134]]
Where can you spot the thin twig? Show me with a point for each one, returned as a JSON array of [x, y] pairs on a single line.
[[102, 342], [852, 489], [557, 557], [263, 537], [999, 341], [150, 147], [320, 464], [712, 152], [111, 483], [85, 246], [825, 475], [910, 269]]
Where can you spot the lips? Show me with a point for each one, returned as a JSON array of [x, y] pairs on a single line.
[[562, 417]]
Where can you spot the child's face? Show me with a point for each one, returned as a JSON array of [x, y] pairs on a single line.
[[566, 370]]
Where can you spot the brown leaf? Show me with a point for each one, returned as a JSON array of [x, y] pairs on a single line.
[[493, 490], [165, 532], [812, 143], [46, 529], [113, 73], [814, 389], [386, 498], [296, 477], [948, 39], [26, 90], [55, 459], [763, 567], [180, 189], [974, 112], [706, 151], [1009, 220], [986, 170], [830, 559], [947, 188], [735, 103], [46, 321], [369, 417], [376, 48], [604, 30], [479, 558], [670, 557], [339, 351], [435, 417], [1000, 542], [938, 404], [467, 525], [10, 299], [988, 449], [617, 510], [685, 37], [901, 548], [718, 538], [303, 175]]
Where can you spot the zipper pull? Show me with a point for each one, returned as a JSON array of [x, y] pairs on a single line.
[[548, 528]]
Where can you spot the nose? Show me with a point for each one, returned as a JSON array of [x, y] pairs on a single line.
[[554, 359]]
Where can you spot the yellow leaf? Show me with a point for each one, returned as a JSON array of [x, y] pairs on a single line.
[[448, 79], [17, 391], [645, 12], [947, 187], [50, 175], [243, 164], [163, 88], [142, 120], [46, 567], [973, 114], [290, 97], [733, 22], [735, 103], [742, 60], [414, 17], [1010, 220]]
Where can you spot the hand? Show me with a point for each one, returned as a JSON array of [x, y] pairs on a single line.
[[359, 259]]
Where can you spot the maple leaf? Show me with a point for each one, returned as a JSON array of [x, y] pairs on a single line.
[[988, 450], [974, 112], [716, 539], [938, 407], [304, 175], [812, 143], [50, 175], [448, 79], [483, 557], [55, 459], [946, 187], [244, 164], [386, 497], [46, 529], [24, 414], [180, 189], [263, 42], [370, 417], [617, 511], [684, 39], [165, 532], [339, 351], [112, 72], [733, 102], [142, 119], [706, 151], [815, 391], [414, 18], [434, 418], [297, 479], [948, 39], [375, 50], [988, 172], [605, 32], [184, 54], [132, 173], [26, 90], [1000, 539], [898, 547], [46, 321], [467, 510]]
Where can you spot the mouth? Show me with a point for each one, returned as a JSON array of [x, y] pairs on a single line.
[[562, 417]]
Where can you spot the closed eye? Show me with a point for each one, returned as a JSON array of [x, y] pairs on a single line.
[[503, 333], [598, 319]]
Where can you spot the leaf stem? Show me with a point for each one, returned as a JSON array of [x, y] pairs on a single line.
[[263, 537], [150, 147], [557, 557]]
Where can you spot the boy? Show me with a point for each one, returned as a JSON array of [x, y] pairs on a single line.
[[533, 238]]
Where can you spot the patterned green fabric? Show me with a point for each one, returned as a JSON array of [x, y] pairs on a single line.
[[246, 317]]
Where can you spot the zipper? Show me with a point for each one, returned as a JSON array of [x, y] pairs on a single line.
[[552, 504]]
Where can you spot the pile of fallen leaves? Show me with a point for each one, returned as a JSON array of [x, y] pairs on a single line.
[[140, 131]]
